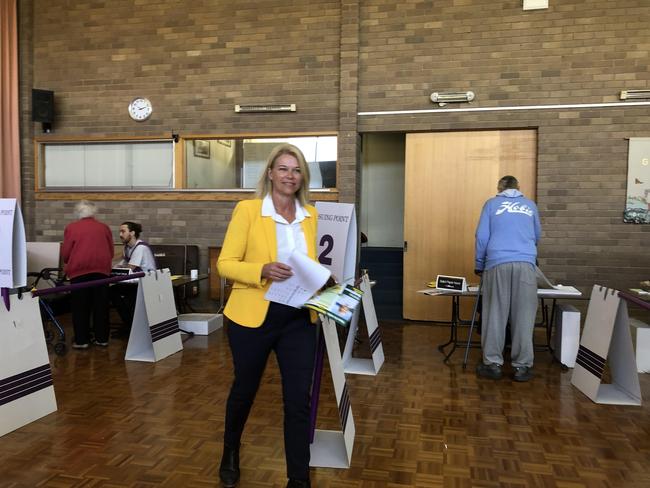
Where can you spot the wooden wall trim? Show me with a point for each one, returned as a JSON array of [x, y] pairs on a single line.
[[179, 165], [101, 138], [255, 135], [327, 196]]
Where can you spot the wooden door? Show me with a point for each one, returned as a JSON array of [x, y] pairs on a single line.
[[448, 177], [215, 278]]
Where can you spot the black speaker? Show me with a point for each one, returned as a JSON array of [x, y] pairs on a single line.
[[43, 106]]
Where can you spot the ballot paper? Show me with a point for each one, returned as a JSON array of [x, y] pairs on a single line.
[[542, 281], [308, 277], [435, 292]]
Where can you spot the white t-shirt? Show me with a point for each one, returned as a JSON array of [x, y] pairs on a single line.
[[289, 236], [139, 255]]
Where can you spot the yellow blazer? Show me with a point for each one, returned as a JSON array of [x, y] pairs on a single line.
[[250, 243]]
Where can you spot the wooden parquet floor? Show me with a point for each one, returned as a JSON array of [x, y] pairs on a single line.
[[419, 423]]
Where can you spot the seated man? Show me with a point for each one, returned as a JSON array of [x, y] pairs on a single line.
[[137, 256], [137, 253]]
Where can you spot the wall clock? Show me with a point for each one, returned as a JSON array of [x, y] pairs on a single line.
[[140, 109]]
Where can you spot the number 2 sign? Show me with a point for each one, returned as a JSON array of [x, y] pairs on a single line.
[[337, 239]]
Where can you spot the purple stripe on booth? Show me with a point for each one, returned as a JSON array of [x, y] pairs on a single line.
[[21, 376], [591, 361], [14, 387], [375, 340], [164, 329], [344, 406]]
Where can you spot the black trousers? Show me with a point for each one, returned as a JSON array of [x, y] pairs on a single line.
[[123, 297], [288, 332], [87, 303]]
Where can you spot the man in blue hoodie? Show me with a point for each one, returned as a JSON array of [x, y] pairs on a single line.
[[506, 251]]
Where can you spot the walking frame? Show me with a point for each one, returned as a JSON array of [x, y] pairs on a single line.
[[471, 327]]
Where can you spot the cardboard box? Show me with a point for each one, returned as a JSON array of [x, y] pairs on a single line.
[[200, 323], [567, 334], [641, 339]]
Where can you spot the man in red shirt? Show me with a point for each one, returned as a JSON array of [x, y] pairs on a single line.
[[87, 253]]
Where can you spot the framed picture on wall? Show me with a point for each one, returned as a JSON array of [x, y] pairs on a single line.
[[201, 148], [637, 205], [225, 142]]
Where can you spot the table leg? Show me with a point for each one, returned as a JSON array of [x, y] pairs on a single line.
[[453, 327]]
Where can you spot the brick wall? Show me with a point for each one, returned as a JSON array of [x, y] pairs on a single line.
[[195, 60], [573, 53]]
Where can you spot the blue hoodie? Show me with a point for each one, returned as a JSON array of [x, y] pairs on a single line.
[[508, 230]]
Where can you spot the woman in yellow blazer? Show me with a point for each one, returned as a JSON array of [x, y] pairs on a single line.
[[261, 235]]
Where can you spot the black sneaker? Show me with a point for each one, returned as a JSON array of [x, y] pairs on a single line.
[[522, 373], [100, 344], [491, 371]]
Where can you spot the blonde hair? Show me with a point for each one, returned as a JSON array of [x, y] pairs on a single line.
[[265, 185], [84, 209]]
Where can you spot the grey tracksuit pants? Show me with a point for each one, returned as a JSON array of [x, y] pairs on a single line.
[[509, 292]]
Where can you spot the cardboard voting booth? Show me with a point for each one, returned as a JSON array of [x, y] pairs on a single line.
[[26, 390], [154, 332], [333, 448], [354, 365], [337, 239], [606, 339], [13, 248]]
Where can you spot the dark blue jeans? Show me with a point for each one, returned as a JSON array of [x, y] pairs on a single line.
[[288, 332]]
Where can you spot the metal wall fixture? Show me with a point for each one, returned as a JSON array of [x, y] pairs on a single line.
[[635, 94], [443, 98], [285, 107]]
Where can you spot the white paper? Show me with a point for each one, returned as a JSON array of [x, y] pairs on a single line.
[[308, 277], [559, 291], [543, 283], [438, 291]]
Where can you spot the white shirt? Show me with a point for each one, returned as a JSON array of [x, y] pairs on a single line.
[[140, 256], [289, 236]]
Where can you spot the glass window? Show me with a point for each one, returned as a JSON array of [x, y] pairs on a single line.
[[210, 164], [237, 163], [113, 165]]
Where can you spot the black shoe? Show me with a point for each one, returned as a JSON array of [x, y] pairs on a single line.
[[293, 483], [490, 371], [229, 468], [522, 373]]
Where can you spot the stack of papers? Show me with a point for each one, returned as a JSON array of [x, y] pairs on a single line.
[[300, 290], [308, 277], [337, 302]]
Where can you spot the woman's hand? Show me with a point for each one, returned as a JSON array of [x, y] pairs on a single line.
[[276, 271]]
